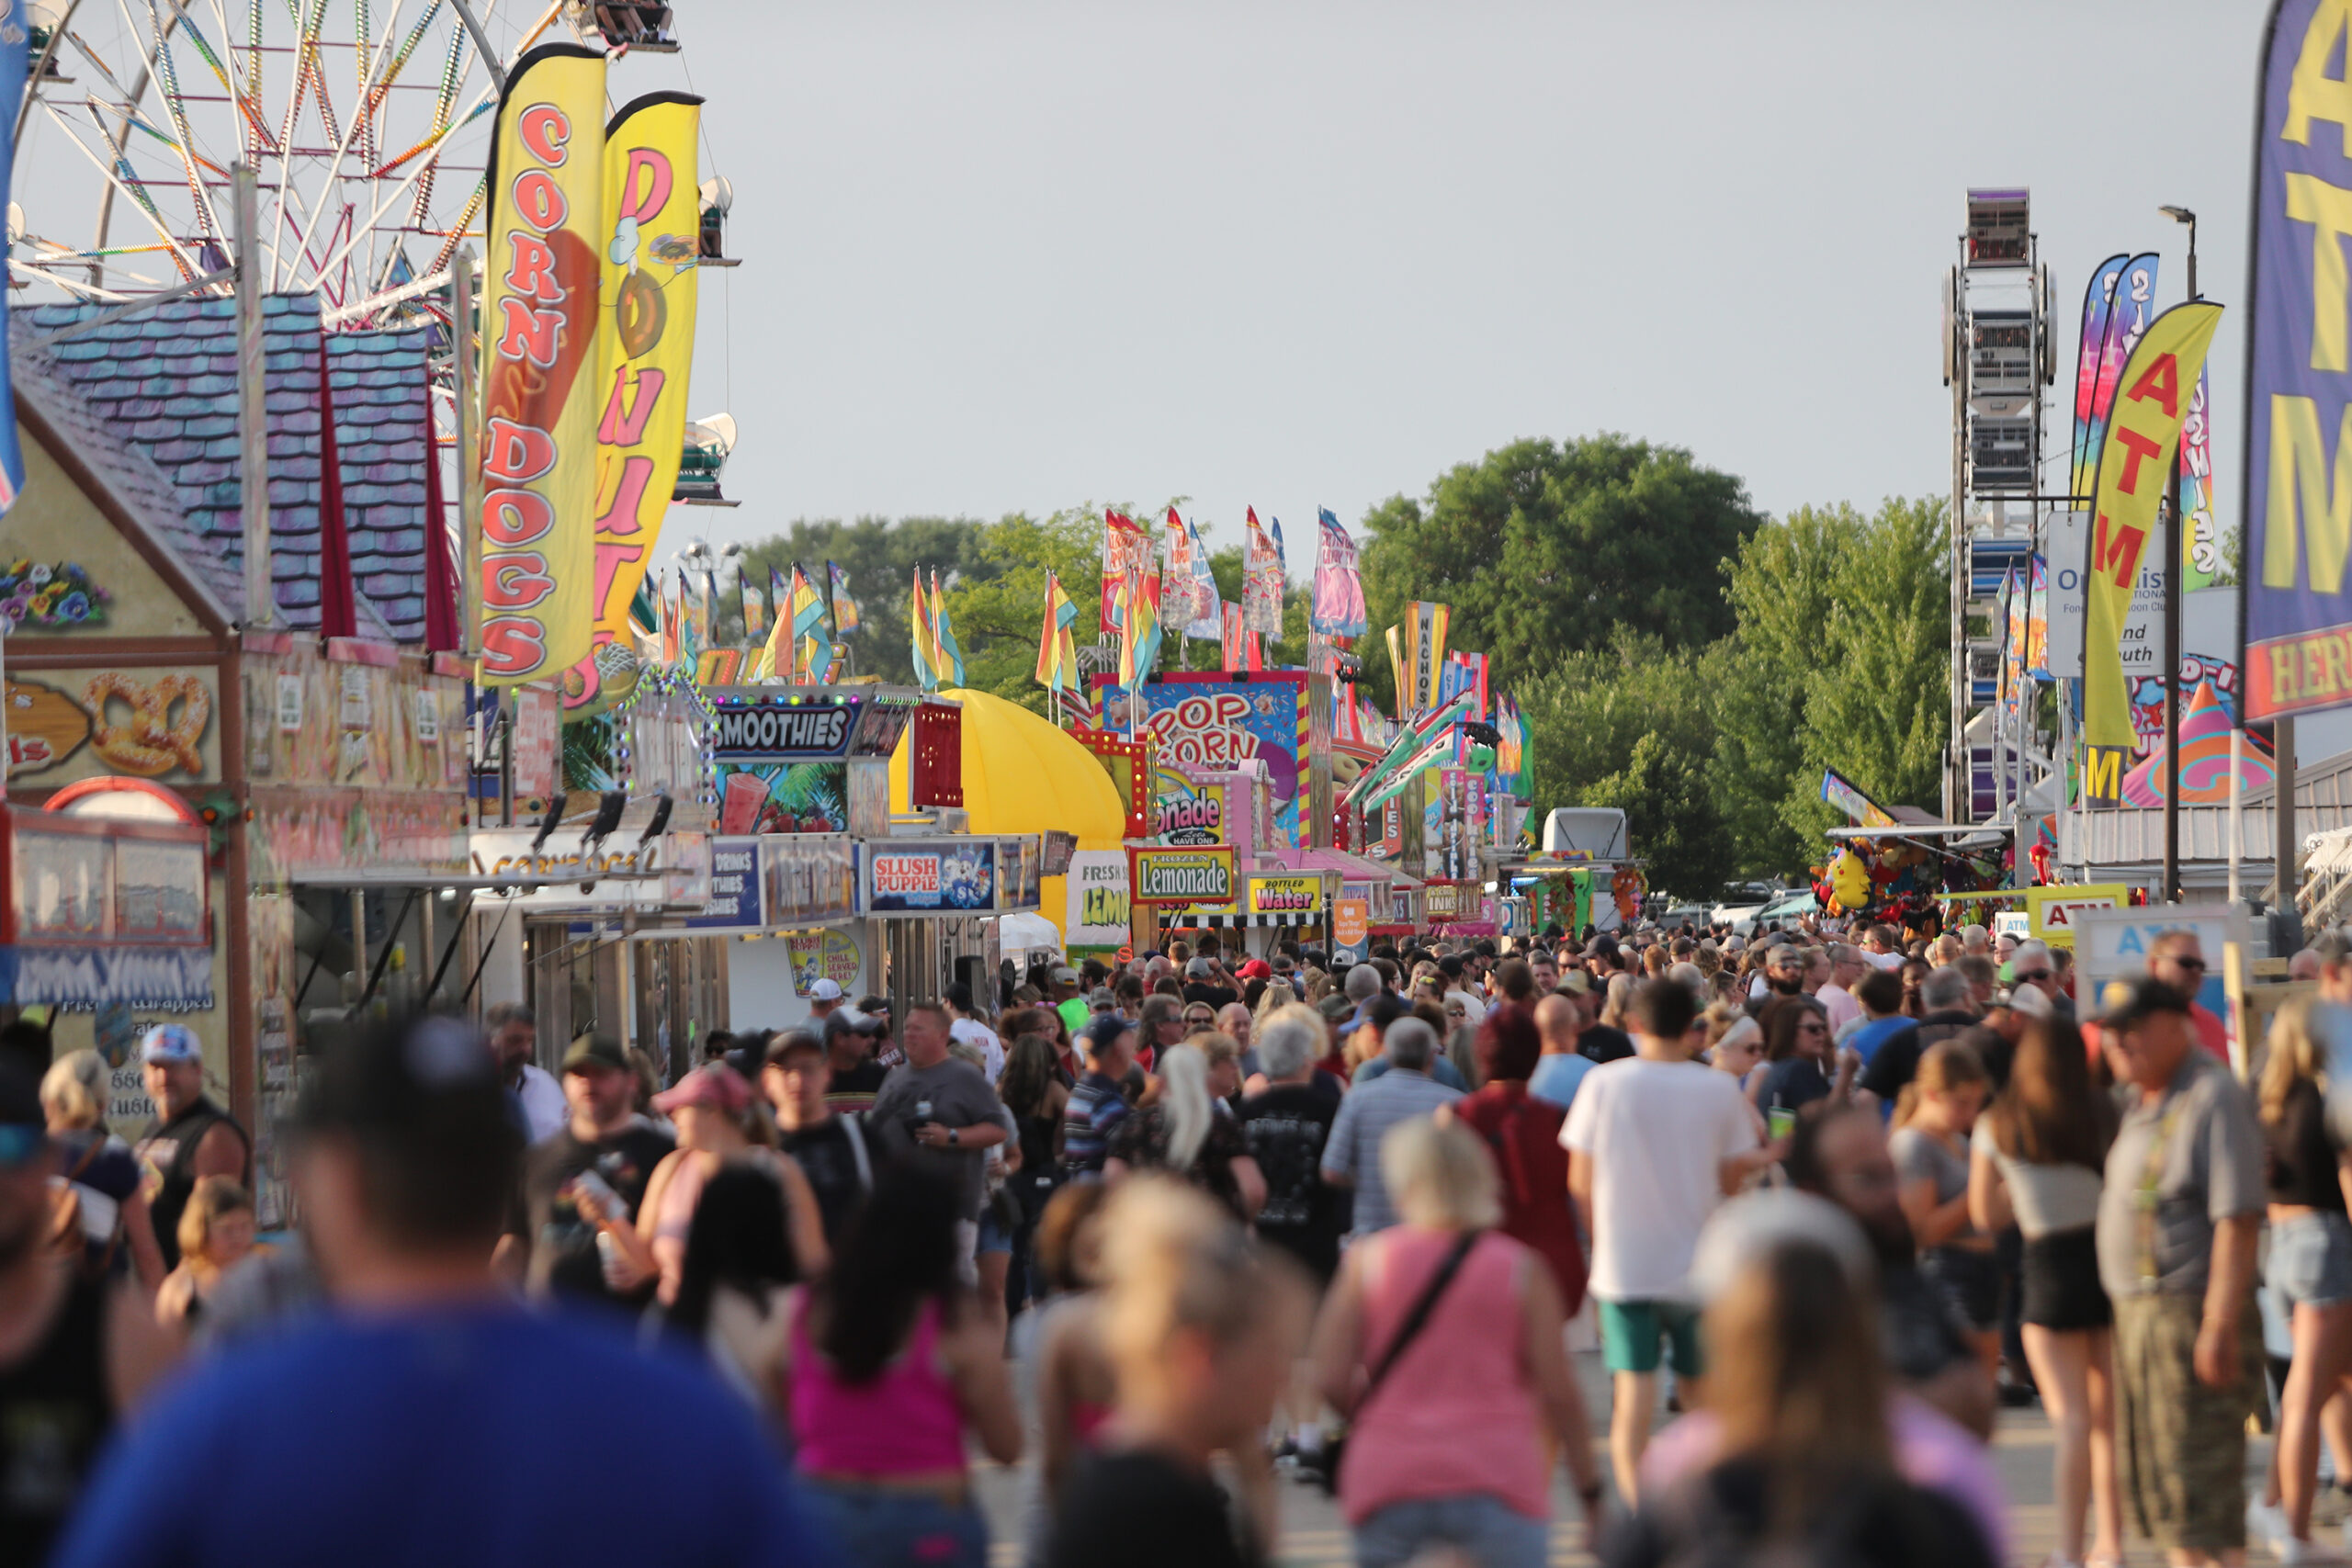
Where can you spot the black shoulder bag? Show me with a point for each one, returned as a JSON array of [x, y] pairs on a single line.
[[1406, 1331]]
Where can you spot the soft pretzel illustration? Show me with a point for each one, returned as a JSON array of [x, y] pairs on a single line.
[[151, 743]]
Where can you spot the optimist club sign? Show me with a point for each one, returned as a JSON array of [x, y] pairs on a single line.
[[1201, 875]]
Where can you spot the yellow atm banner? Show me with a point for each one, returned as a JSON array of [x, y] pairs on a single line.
[[2142, 442], [645, 350], [538, 349]]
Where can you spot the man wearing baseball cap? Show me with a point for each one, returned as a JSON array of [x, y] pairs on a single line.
[[190, 1138], [428, 1413], [588, 1179], [824, 996]]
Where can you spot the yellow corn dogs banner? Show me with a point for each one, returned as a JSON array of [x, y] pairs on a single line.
[[539, 404]]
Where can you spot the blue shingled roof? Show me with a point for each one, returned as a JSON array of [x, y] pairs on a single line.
[[167, 379]]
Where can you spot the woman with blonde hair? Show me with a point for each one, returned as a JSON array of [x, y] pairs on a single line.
[[1933, 1118], [1441, 1342], [1199, 1325], [1182, 1134], [104, 1204], [216, 1234], [2039, 1159], [2309, 1173]]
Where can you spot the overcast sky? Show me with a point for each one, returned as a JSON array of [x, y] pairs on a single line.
[[1013, 255]]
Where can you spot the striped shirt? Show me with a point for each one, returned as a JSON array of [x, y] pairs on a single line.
[[1365, 1116], [1096, 1108]]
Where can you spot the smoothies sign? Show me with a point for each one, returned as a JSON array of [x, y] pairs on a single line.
[[1167, 876]]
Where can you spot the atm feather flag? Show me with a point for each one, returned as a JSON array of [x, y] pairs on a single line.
[[648, 224], [2135, 461], [2297, 510], [539, 363]]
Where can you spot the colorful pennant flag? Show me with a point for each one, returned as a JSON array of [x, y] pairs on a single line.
[[925, 651], [1337, 609], [756, 609], [1125, 548], [846, 620], [672, 621], [1139, 630], [1262, 580], [1208, 623], [775, 653], [942, 636], [1176, 581], [1057, 649]]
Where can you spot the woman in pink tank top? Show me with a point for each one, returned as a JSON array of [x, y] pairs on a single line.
[[1447, 1446], [890, 1362]]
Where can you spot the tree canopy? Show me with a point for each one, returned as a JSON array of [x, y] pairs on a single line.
[[1544, 548]]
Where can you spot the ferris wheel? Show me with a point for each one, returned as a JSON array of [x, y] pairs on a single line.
[[367, 123]]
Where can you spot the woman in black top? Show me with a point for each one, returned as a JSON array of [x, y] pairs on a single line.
[[2307, 1171], [1796, 1046]]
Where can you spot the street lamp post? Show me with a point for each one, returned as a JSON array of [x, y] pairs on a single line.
[[2176, 540]]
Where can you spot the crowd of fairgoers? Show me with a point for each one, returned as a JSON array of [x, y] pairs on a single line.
[[1254, 1227]]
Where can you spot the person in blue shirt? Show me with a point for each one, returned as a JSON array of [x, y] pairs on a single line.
[[425, 1417], [1377, 1015], [1562, 1067], [1880, 993]]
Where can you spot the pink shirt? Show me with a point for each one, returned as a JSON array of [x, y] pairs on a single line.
[[1931, 1450], [1457, 1413], [907, 1421]]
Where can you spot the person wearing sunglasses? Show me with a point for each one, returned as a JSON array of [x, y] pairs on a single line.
[[2178, 960]]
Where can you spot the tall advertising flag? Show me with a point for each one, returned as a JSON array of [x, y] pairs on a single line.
[[756, 609], [2297, 511], [776, 654], [1262, 580], [1424, 662], [2127, 315], [942, 636], [13, 87], [1125, 548], [2202, 549], [2098, 300], [845, 618], [1057, 651], [1208, 623], [1176, 580], [648, 227], [2135, 461], [539, 347], [925, 650], [1338, 608]]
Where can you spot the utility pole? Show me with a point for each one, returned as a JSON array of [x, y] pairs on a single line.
[[2175, 541], [253, 427]]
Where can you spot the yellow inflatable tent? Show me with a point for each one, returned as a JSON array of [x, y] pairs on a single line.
[[1023, 776]]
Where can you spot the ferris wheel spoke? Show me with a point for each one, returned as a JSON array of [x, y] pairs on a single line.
[[137, 197], [334, 169], [167, 78], [39, 70], [375, 217], [32, 273]]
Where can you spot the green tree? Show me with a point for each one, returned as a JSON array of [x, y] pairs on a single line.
[[1628, 725], [999, 608], [1838, 661], [1543, 547], [880, 558], [1882, 712]]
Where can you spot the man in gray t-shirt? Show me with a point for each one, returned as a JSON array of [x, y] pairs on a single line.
[[2178, 1212], [966, 1118]]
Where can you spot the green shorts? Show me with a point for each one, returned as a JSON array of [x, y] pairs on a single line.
[[1631, 1333]]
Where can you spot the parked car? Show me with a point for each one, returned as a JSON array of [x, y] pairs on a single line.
[[1783, 912], [1697, 914]]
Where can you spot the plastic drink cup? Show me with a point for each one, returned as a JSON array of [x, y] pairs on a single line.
[[1781, 1120], [739, 810]]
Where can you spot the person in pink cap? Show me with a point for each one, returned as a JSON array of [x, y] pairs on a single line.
[[711, 1108]]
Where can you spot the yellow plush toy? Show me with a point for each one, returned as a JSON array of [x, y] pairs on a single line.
[[1849, 882]]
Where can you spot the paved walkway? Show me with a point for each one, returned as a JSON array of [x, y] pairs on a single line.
[[1315, 1536]]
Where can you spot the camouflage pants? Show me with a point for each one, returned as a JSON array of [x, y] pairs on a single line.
[[2180, 1445]]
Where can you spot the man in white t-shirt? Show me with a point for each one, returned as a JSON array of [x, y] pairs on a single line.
[[963, 1026], [1655, 1142]]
